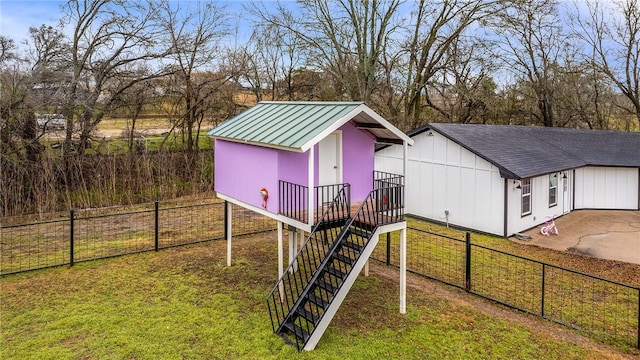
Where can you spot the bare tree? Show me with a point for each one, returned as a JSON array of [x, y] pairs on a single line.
[[109, 40], [533, 45], [584, 97], [22, 87], [435, 28], [13, 91], [194, 34], [7, 47], [463, 90], [280, 50], [20, 149], [344, 37], [242, 66], [611, 31], [11, 75], [49, 55], [130, 104]]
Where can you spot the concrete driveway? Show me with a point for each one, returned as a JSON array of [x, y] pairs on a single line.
[[604, 234]]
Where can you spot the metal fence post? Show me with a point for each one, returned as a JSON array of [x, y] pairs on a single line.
[[156, 225], [388, 249], [467, 266], [542, 297], [71, 235]]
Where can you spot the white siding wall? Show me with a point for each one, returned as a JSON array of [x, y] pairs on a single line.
[[540, 210], [606, 188], [441, 176]]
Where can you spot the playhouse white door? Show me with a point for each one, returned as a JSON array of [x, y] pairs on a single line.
[[329, 160]]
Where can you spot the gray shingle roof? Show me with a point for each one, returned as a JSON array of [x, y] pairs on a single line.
[[300, 125], [526, 151]]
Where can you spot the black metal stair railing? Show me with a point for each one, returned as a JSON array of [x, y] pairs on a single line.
[[302, 314], [296, 277]]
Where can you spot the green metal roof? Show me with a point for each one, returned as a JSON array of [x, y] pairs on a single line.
[[300, 125]]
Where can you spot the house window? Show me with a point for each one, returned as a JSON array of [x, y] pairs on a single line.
[[553, 189], [526, 196]]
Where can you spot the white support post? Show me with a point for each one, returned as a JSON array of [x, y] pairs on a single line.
[[280, 250], [293, 243], [301, 238], [311, 174], [403, 271], [229, 233], [405, 160], [366, 265]]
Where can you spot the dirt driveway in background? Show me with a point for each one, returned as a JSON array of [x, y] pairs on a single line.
[[603, 234]]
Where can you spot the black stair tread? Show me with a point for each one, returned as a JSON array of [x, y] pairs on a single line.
[[335, 272], [360, 232], [327, 286], [351, 244], [331, 224], [317, 300], [345, 259], [309, 316], [297, 330], [363, 224]]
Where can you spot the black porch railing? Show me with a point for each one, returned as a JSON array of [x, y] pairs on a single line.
[[294, 199], [383, 179], [389, 193], [386, 204]]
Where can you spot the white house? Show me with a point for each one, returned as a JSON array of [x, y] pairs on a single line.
[[505, 179]]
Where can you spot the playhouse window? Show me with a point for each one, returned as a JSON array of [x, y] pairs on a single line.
[[526, 196], [553, 189]]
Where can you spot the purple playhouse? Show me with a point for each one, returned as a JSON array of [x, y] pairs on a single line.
[[310, 166]]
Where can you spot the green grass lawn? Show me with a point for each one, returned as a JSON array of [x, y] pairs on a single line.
[[184, 303]]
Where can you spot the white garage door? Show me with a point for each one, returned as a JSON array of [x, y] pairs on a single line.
[[606, 188]]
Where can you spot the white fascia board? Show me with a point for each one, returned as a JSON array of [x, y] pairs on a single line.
[[261, 211], [311, 102], [260, 144], [350, 115]]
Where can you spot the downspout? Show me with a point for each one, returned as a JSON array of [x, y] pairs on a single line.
[[506, 206], [573, 190]]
